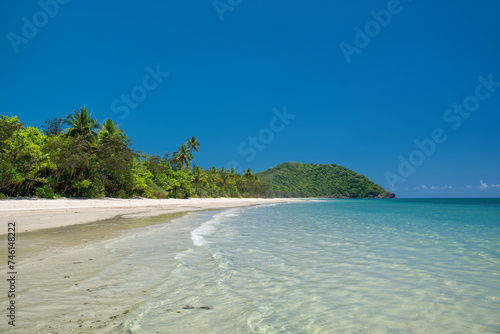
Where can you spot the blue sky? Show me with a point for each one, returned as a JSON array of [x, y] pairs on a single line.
[[404, 92]]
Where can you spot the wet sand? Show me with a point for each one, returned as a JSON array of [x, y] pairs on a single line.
[[71, 279]]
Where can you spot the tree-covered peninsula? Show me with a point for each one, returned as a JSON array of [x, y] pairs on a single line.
[[292, 179]]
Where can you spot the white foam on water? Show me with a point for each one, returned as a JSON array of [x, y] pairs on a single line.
[[210, 227], [205, 229]]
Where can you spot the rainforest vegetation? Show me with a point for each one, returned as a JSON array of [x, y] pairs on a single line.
[[77, 157]]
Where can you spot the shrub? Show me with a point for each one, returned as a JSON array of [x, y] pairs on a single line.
[[121, 194], [156, 191], [45, 192], [87, 188]]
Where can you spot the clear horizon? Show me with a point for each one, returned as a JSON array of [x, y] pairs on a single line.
[[404, 92]]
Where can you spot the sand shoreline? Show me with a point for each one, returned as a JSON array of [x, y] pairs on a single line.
[[36, 214]]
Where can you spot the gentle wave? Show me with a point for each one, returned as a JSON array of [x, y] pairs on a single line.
[[209, 227]]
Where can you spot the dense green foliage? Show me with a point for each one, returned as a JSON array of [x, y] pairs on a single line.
[[294, 179], [77, 157]]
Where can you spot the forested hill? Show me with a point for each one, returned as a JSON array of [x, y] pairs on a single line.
[[293, 179]]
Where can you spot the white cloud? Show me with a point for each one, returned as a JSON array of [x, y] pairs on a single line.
[[424, 187], [486, 186]]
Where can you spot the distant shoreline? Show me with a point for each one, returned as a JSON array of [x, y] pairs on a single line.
[[36, 214]]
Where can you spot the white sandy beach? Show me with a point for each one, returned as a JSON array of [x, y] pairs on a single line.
[[35, 214]]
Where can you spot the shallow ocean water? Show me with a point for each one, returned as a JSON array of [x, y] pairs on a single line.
[[324, 266]]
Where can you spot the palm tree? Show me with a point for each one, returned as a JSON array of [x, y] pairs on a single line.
[[199, 176], [248, 174], [109, 128], [80, 123], [183, 155], [228, 179], [212, 175], [193, 144]]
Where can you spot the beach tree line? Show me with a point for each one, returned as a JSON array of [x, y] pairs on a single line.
[[75, 156]]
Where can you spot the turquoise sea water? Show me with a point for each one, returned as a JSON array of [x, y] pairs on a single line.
[[336, 266], [321, 266]]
